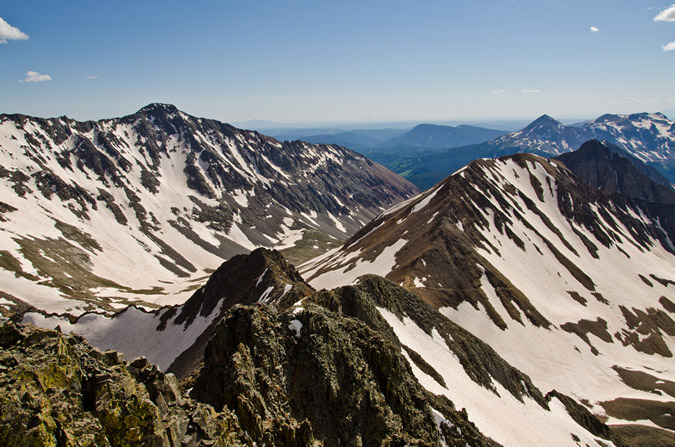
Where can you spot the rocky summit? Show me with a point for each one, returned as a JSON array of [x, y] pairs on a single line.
[[139, 209], [607, 167]]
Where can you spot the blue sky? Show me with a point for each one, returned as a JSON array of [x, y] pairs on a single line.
[[365, 60]]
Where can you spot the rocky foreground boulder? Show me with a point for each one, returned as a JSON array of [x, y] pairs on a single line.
[[56, 390]]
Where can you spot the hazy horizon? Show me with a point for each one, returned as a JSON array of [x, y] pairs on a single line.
[[301, 62]]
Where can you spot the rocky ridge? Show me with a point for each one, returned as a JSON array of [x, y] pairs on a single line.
[[333, 368], [174, 337]]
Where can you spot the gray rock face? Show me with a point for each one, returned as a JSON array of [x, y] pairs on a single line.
[[261, 276]]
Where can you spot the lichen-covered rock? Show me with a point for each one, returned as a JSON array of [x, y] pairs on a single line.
[[56, 390]]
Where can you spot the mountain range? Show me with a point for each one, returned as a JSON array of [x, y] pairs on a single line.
[[520, 301], [140, 209], [394, 141], [356, 139], [435, 136], [647, 137]]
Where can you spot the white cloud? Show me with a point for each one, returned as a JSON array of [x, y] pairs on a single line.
[[667, 15], [594, 29], [529, 91], [92, 77], [9, 32], [500, 91], [34, 76], [669, 46]]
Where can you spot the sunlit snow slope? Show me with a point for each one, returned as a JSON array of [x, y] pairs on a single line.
[[573, 286], [97, 215]]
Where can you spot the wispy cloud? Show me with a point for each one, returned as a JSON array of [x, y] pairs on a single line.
[[92, 77], [34, 76], [9, 32], [529, 91], [667, 15], [669, 46], [498, 92], [594, 29]]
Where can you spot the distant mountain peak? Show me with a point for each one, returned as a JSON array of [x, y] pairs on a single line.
[[544, 120], [157, 110], [159, 106]]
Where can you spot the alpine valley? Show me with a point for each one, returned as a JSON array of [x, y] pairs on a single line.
[[521, 301]]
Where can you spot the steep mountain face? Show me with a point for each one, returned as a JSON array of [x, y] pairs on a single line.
[[314, 372], [98, 215], [338, 368], [572, 286], [607, 167], [174, 337]]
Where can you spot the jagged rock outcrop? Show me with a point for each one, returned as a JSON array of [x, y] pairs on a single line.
[[55, 390], [263, 276], [312, 375], [174, 337]]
